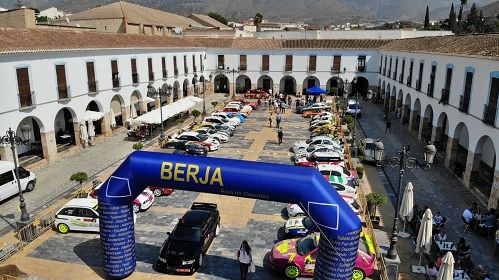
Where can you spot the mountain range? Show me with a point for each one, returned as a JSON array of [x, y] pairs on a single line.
[[309, 11]]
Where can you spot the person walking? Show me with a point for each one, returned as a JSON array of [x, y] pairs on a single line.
[[270, 120], [278, 119], [244, 258], [279, 135], [388, 126]]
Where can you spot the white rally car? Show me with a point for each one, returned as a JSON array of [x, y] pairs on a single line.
[[142, 202]]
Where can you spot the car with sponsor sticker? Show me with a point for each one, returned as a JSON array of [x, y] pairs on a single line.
[[301, 146], [296, 257], [184, 250], [299, 226], [338, 170], [211, 143], [221, 136], [160, 191], [326, 157], [79, 214]]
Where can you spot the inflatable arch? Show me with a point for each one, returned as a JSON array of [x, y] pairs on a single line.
[[340, 227]]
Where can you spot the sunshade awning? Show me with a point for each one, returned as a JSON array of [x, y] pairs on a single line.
[[169, 110], [93, 116], [316, 90]]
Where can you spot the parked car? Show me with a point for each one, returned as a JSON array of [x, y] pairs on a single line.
[[323, 114], [296, 257], [367, 147], [318, 140], [312, 113], [219, 121], [299, 226], [320, 124], [8, 183], [329, 157], [316, 149], [141, 203], [218, 127], [233, 121], [184, 249], [337, 170], [221, 136], [207, 141], [160, 191], [323, 106], [354, 108]]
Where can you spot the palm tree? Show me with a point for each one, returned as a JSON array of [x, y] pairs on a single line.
[[257, 20]]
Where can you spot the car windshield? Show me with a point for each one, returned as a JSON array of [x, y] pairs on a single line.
[[370, 146], [187, 233], [338, 187], [211, 131], [305, 245], [308, 141], [192, 146], [202, 137], [352, 106], [355, 205]]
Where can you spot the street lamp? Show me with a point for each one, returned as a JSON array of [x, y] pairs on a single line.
[[356, 92], [402, 160], [153, 93], [203, 82], [11, 138], [233, 71]]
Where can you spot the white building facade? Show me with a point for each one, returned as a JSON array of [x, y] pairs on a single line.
[[50, 90]]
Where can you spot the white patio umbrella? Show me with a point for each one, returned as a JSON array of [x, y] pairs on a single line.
[[91, 129], [423, 242], [83, 134], [446, 271], [113, 119], [133, 111], [406, 208]]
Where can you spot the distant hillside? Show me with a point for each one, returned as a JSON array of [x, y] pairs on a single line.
[[311, 11]]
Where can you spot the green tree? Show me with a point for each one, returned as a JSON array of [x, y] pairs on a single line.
[[214, 104], [79, 177], [195, 113], [137, 146], [452, 18], [472, 20], [427, 19], [218, 17], [257, 20]]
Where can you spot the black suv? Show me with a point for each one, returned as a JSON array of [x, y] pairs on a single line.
[[185, 247]]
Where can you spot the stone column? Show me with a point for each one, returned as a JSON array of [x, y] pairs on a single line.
[[76, 129], [412, 118], [254, 86], [49, 145], [472, 164], [125, 111], [392, 103], [451, 153], [494, 193], [404, 114], [435, 133], [142, 107], [275, 88], [6, 152], [106, 125], [423, 126], [170, 99]]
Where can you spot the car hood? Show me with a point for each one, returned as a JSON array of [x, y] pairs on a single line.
[[283, 249], [182, 249], [302, 143]]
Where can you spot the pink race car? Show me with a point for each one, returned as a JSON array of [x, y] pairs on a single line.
[[296, 257]]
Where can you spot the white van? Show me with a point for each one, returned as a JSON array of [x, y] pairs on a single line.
[[8, 183]]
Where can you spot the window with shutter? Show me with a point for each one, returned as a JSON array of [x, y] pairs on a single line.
[[312, 61], [265, 63], [115, 73], [150, 69], [135, 75], [186, 68], [221, 62], [163, 66], [361, 63], [175, 68], [289, 63], [194, 63], [242, 62], [62, 88], [25, 99], [92, 84], [337, 63]]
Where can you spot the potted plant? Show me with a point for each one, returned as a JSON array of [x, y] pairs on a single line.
[[195, 113], [360, 170], [214, 104], [374, 200], [138, 146], [79, 177]]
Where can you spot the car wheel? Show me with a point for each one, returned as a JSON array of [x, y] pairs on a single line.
[[157, 192], [30, 186], [358, 274], [63, 228], [136, 208], [217, 230], [291, 271], [300, 215]]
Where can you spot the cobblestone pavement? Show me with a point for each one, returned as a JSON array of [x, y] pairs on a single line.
[[437, 188], [53, 178]]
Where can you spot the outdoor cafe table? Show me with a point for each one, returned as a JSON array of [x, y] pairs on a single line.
[[458, 275], [446, 246]]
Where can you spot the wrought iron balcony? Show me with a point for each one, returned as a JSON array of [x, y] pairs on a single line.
[[92, 86], [151, 76], [27, 100], [489, 114], [243, 67], [135, 78], [444, 99], [64, 92], [464, 103]]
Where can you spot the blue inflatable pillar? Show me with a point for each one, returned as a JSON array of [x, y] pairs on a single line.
[[339, 226]]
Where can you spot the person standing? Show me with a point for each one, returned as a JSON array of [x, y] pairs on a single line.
[[244, 258], [278, 120], [270, 120], [388, 126], [279, 135]]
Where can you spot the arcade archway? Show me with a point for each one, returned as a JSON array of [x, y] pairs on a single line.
[[310, 81], [64, 127], [388, 89], [136, 104], [117, 111], [406, 109], [265, 83], [31, 128], [287, 85], [483, 165], [176, 91], [335, 86], [362, 86], [393, 99], [94, 126], [185, 88], [426, 126], [221, 83], [441, 132], [415, 116], [243, 84], [456, 160]]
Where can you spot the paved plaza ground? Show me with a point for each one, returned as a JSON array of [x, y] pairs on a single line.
[[77, 255]]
